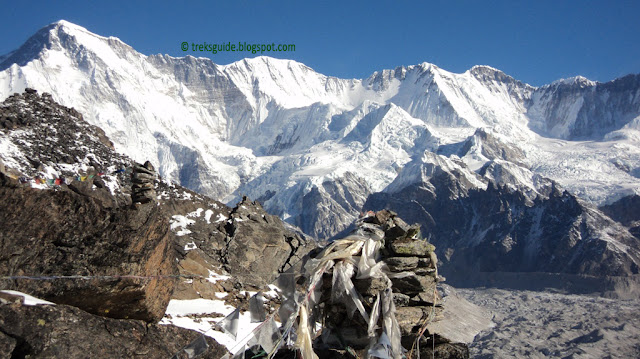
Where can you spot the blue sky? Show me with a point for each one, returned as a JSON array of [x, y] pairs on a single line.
[[534, 41]]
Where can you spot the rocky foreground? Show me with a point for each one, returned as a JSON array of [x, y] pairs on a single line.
[[111, 246], [119, 253]]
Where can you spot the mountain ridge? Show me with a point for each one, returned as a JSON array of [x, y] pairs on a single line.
[[313, 147]]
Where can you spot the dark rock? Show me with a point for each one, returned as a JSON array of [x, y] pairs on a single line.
[[401, 264], [492, 147], [370, 286], [627, 212], [7, 344], [445, 351], [499, 223], [139, 177], [99, 193], [143, 187], [426, 298], [413, 284], [330, 208], [396, 231], [75, 140], [411, 319], [63, 233], [400, 300], [258, 246], [60, 331]]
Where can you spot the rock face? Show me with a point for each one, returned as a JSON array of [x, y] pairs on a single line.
[[65, 212], [502, 229], [57, 331], [245, 242], [626, 210], [258, 246], [63, 233]]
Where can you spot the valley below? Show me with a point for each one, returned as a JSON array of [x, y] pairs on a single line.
[[529, 324]]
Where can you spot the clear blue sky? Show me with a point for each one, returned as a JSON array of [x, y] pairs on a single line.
[[534, 41]]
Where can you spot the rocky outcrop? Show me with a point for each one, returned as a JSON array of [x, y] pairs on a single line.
[[126, 253], [329, 208], [245, 242], [53, 145], [626, 211], [485, 143], [56, 331], [258, 246]]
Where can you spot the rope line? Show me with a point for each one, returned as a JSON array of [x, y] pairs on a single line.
[[89, 277]]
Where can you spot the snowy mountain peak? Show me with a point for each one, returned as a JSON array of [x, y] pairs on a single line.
[[580, 81], [275, 129], [486, 73]]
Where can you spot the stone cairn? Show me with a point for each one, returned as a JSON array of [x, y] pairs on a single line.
[[391, 271], [143, 187]]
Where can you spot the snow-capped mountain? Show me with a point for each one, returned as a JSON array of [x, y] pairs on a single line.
[[314, 148]]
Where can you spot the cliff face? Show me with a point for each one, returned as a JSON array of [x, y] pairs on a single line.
[[626, 211]]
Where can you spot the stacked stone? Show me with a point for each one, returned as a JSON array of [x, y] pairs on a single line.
[[412, 269], [143, 187], [413, 264]]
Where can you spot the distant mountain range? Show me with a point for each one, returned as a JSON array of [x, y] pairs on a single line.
[[502, 176]]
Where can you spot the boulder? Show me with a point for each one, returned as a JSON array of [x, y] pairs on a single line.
[[370, 286], [401, 264], [258, 246], [60, 331], [48, 233]]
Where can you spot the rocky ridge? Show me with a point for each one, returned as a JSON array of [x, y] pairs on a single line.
[[73, 234], [501, 228]]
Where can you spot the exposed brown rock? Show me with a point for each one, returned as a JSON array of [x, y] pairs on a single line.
[[64, 233], [258, 246], [60, 331]]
